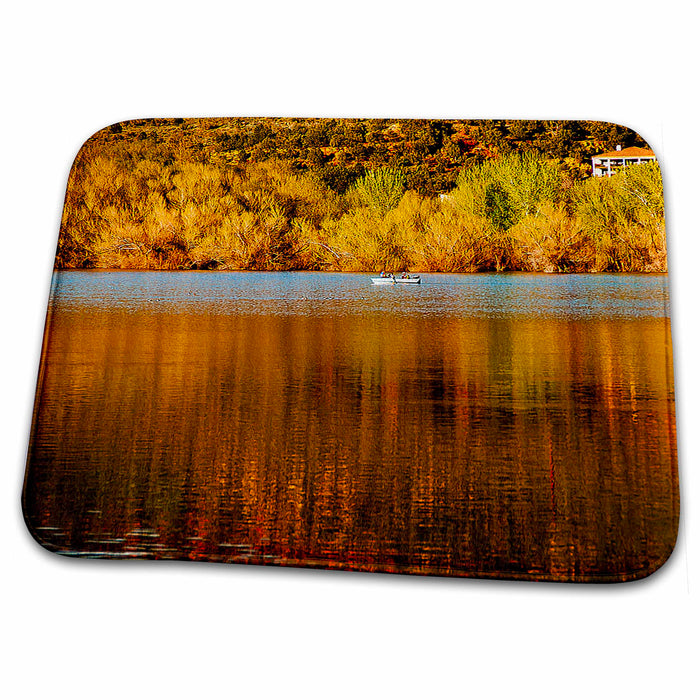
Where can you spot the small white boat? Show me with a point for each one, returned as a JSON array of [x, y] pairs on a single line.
[[392, 279], [383, 280]]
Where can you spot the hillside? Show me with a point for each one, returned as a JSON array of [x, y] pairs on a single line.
[[335, 194], [431, 153]]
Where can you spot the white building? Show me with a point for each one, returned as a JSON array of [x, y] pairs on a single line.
[[606, 164]]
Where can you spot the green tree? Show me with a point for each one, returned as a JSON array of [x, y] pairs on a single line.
[[498, 207], [382, 189]]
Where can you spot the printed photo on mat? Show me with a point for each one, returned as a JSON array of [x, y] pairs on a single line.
[[412, 346]]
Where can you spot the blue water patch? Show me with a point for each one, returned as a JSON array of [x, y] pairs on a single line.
[[323, 293]]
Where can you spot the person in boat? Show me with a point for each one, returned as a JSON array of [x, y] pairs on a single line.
[[404, 276], [383, 274]]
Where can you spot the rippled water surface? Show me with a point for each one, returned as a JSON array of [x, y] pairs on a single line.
[[318, 294], [490, 425]]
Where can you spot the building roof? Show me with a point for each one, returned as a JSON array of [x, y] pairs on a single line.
[[631, 152]]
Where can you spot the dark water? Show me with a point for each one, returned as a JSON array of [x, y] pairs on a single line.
[[485, 425]]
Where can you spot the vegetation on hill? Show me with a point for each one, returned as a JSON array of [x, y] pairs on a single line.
[[359, 195]]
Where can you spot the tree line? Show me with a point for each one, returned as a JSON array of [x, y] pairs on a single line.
[[359, 195], [430, 152]]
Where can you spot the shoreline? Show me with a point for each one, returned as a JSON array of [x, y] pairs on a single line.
[[367, 272]]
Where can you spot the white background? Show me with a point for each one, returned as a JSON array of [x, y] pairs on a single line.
[[81, 629]]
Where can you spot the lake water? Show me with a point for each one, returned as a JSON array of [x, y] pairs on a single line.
[[506, 425]]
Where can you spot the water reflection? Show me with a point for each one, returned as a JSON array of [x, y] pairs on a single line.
[[528, 444]]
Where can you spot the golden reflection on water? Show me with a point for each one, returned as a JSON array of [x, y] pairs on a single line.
[[519, 447]]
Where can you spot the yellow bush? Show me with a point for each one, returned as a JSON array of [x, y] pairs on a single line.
[[137, 209]]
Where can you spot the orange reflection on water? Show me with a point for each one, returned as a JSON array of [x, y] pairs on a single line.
[[518, 447]]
